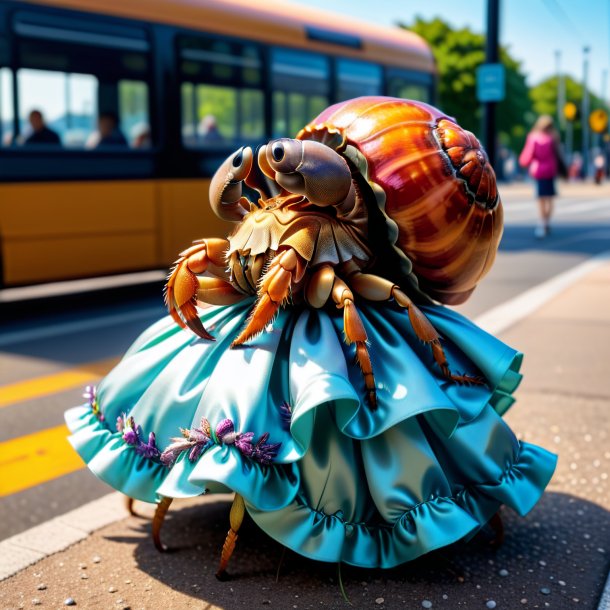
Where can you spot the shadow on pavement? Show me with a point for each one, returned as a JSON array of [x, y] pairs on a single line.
[[555, 557]]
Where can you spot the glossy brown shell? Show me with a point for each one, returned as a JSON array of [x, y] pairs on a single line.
[[439, 192]]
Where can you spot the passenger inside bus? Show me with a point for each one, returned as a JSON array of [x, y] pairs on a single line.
[[109, 132], [207, 131], [40, 134], [141, 136]]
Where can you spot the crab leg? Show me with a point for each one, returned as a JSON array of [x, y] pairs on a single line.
[[236, 516], [183, 286], [160, 512], [285, 269], [129, 506], [355, 333], [375, 288]]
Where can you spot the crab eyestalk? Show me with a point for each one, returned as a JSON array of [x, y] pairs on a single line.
[[311, 169], [226, 187]]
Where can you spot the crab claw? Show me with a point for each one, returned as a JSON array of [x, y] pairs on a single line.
[[226, 187], [309, 168], [181, 289]]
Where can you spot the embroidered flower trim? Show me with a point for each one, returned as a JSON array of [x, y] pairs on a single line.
[[91, 396], [132, 435], [197, 440], [285, 415]]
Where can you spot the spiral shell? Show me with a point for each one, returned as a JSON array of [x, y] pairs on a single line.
[[432, 181]]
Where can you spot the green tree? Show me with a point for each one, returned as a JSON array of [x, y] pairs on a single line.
[[544, 99], [458, 54]]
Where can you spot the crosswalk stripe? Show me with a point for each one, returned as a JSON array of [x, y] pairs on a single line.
[[36, 458], [56, 382]]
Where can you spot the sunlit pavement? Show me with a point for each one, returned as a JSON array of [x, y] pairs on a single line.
[[556, 557]]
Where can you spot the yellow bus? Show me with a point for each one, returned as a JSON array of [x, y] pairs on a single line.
[[114, 115]]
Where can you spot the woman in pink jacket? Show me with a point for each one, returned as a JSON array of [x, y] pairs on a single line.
[[541, 156]]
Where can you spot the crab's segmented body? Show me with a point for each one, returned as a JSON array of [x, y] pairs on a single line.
[[378, 198], [315, 230]]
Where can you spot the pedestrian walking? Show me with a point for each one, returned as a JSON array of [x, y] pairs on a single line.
[[542, 156]]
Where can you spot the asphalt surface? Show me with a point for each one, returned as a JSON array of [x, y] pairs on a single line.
[[61, 335]]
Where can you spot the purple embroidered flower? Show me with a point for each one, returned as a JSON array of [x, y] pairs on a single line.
[[285, 415], [195, 441], [172, 452], [91, 395], [131, 432], [263, 451], [244, 443], [225, 432], [148, 450]]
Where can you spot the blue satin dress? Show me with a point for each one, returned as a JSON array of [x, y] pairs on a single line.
[[283, 423]]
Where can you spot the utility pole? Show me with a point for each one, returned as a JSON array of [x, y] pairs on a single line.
[[491, 57], [561, 91], [584, 118]]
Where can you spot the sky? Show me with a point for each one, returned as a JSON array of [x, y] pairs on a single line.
[[532, 29]]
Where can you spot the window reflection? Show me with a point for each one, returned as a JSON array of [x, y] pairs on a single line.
[[356, 78], [301, 89], [222, 96]]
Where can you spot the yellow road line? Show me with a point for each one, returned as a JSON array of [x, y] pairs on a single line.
[[57, 382], [36, 458]]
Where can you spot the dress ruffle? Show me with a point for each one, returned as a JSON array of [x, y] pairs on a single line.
[[371, 488]]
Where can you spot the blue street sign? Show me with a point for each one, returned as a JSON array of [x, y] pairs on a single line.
[[491, 83]]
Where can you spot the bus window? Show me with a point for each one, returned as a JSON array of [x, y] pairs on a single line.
[[6, 107], [66, 104], [133, 113], [80, 84], [300, 83], [42, 95], [356, 78], [411, 86], [222, 95]]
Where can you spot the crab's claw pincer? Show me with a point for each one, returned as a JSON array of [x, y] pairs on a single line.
[[181, 290]]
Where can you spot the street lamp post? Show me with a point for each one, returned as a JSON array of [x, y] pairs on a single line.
[[584, 118], [491, 57], [561, 91]]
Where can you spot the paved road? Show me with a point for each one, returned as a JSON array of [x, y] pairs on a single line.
[[46, 359]]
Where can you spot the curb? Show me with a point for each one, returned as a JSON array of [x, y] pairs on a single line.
[[59, 533]]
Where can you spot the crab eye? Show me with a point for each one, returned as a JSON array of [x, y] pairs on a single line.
[[278, 151], [238, 158]]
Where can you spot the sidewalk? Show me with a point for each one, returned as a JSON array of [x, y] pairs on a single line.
[[556, 557]]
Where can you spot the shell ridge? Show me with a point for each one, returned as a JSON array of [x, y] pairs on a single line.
[[434, 186]]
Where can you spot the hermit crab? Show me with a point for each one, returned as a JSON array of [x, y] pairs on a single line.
[[377, 198]]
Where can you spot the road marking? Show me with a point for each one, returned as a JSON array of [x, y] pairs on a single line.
[[78, 326], [579, 208], [56, 382], [36, 458], [562, 208], [499, 318]]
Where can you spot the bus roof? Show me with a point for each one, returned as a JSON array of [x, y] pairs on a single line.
[[276, 22]]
